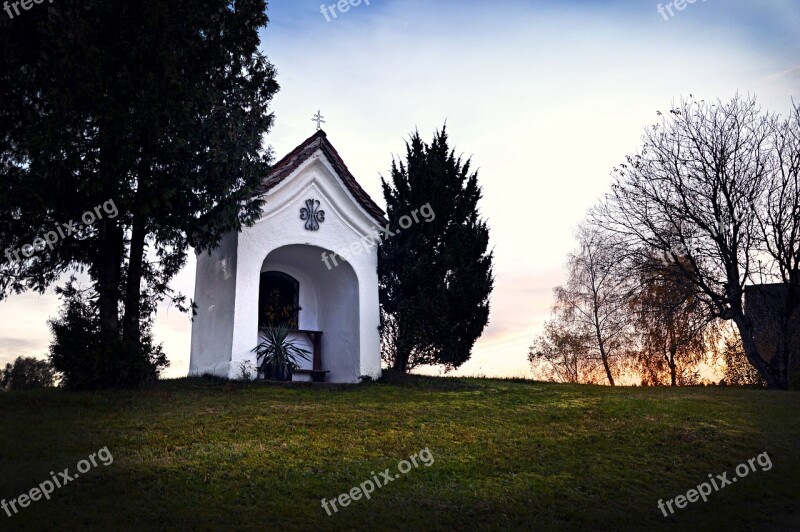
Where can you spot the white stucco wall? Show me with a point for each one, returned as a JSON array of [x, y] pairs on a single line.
[[214, 294], [341, 301]]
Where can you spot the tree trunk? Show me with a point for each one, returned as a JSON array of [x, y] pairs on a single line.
[[108, 261], [773, 378], [606, 366], [672, 371], [131, 325], [604, 358], [781, 362], [603, 354], [673, 350], [107, 275], [401, 359]]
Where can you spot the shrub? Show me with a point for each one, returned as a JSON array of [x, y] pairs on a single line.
[[27, 373], [247, 371], [85, 360], [738, 370]]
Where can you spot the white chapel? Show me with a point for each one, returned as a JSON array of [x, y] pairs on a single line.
[[315, 214]]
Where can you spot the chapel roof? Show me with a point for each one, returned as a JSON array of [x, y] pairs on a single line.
[[306, 149]]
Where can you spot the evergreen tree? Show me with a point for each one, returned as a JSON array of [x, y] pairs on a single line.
[[436, 271], [160, 107], [27, 373]]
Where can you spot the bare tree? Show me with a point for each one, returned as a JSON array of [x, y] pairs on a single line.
[[778, 222], [592, 305], [674, 329], [715, 185], [560, 353]]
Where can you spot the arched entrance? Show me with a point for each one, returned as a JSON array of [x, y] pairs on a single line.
[[297, 287]]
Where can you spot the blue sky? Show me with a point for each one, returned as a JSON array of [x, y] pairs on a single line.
[[545, 96]]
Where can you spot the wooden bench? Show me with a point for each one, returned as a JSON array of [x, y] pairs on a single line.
[[317, 373]]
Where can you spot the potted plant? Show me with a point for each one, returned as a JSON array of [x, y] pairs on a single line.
[[277, 356]]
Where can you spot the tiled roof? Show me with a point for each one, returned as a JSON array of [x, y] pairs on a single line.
[[319, 141]]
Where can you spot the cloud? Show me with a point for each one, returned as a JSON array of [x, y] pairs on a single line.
[[11, 348], [791, 74]]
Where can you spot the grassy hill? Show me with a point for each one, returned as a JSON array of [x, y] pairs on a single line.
[[201, 454]]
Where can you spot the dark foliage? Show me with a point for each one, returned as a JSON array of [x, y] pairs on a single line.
[[27, 373], [85, 361], [738, 370], [160, 107], [436, 274]]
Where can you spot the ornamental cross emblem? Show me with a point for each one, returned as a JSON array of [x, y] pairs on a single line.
[[312, 215]]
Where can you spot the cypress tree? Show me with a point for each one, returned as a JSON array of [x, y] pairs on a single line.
[[435, 273]]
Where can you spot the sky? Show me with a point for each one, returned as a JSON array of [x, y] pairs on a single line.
[[545, 97]]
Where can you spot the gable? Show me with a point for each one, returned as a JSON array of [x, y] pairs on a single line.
[[319, 141]]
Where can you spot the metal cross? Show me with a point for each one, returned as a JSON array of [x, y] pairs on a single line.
[[319, 119]]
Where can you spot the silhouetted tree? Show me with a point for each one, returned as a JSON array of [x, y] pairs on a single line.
[[78, 352], [591, 314], [561, 353], [738, 371], [674, 330], [27, 373], [159, 106], [435, 273], [720, 182]]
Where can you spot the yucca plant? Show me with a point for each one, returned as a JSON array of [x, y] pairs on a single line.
[[276, 355]]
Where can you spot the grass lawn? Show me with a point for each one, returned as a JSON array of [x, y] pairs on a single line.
[[199, 454]]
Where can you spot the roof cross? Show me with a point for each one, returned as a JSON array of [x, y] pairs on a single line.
[[319, 119]]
